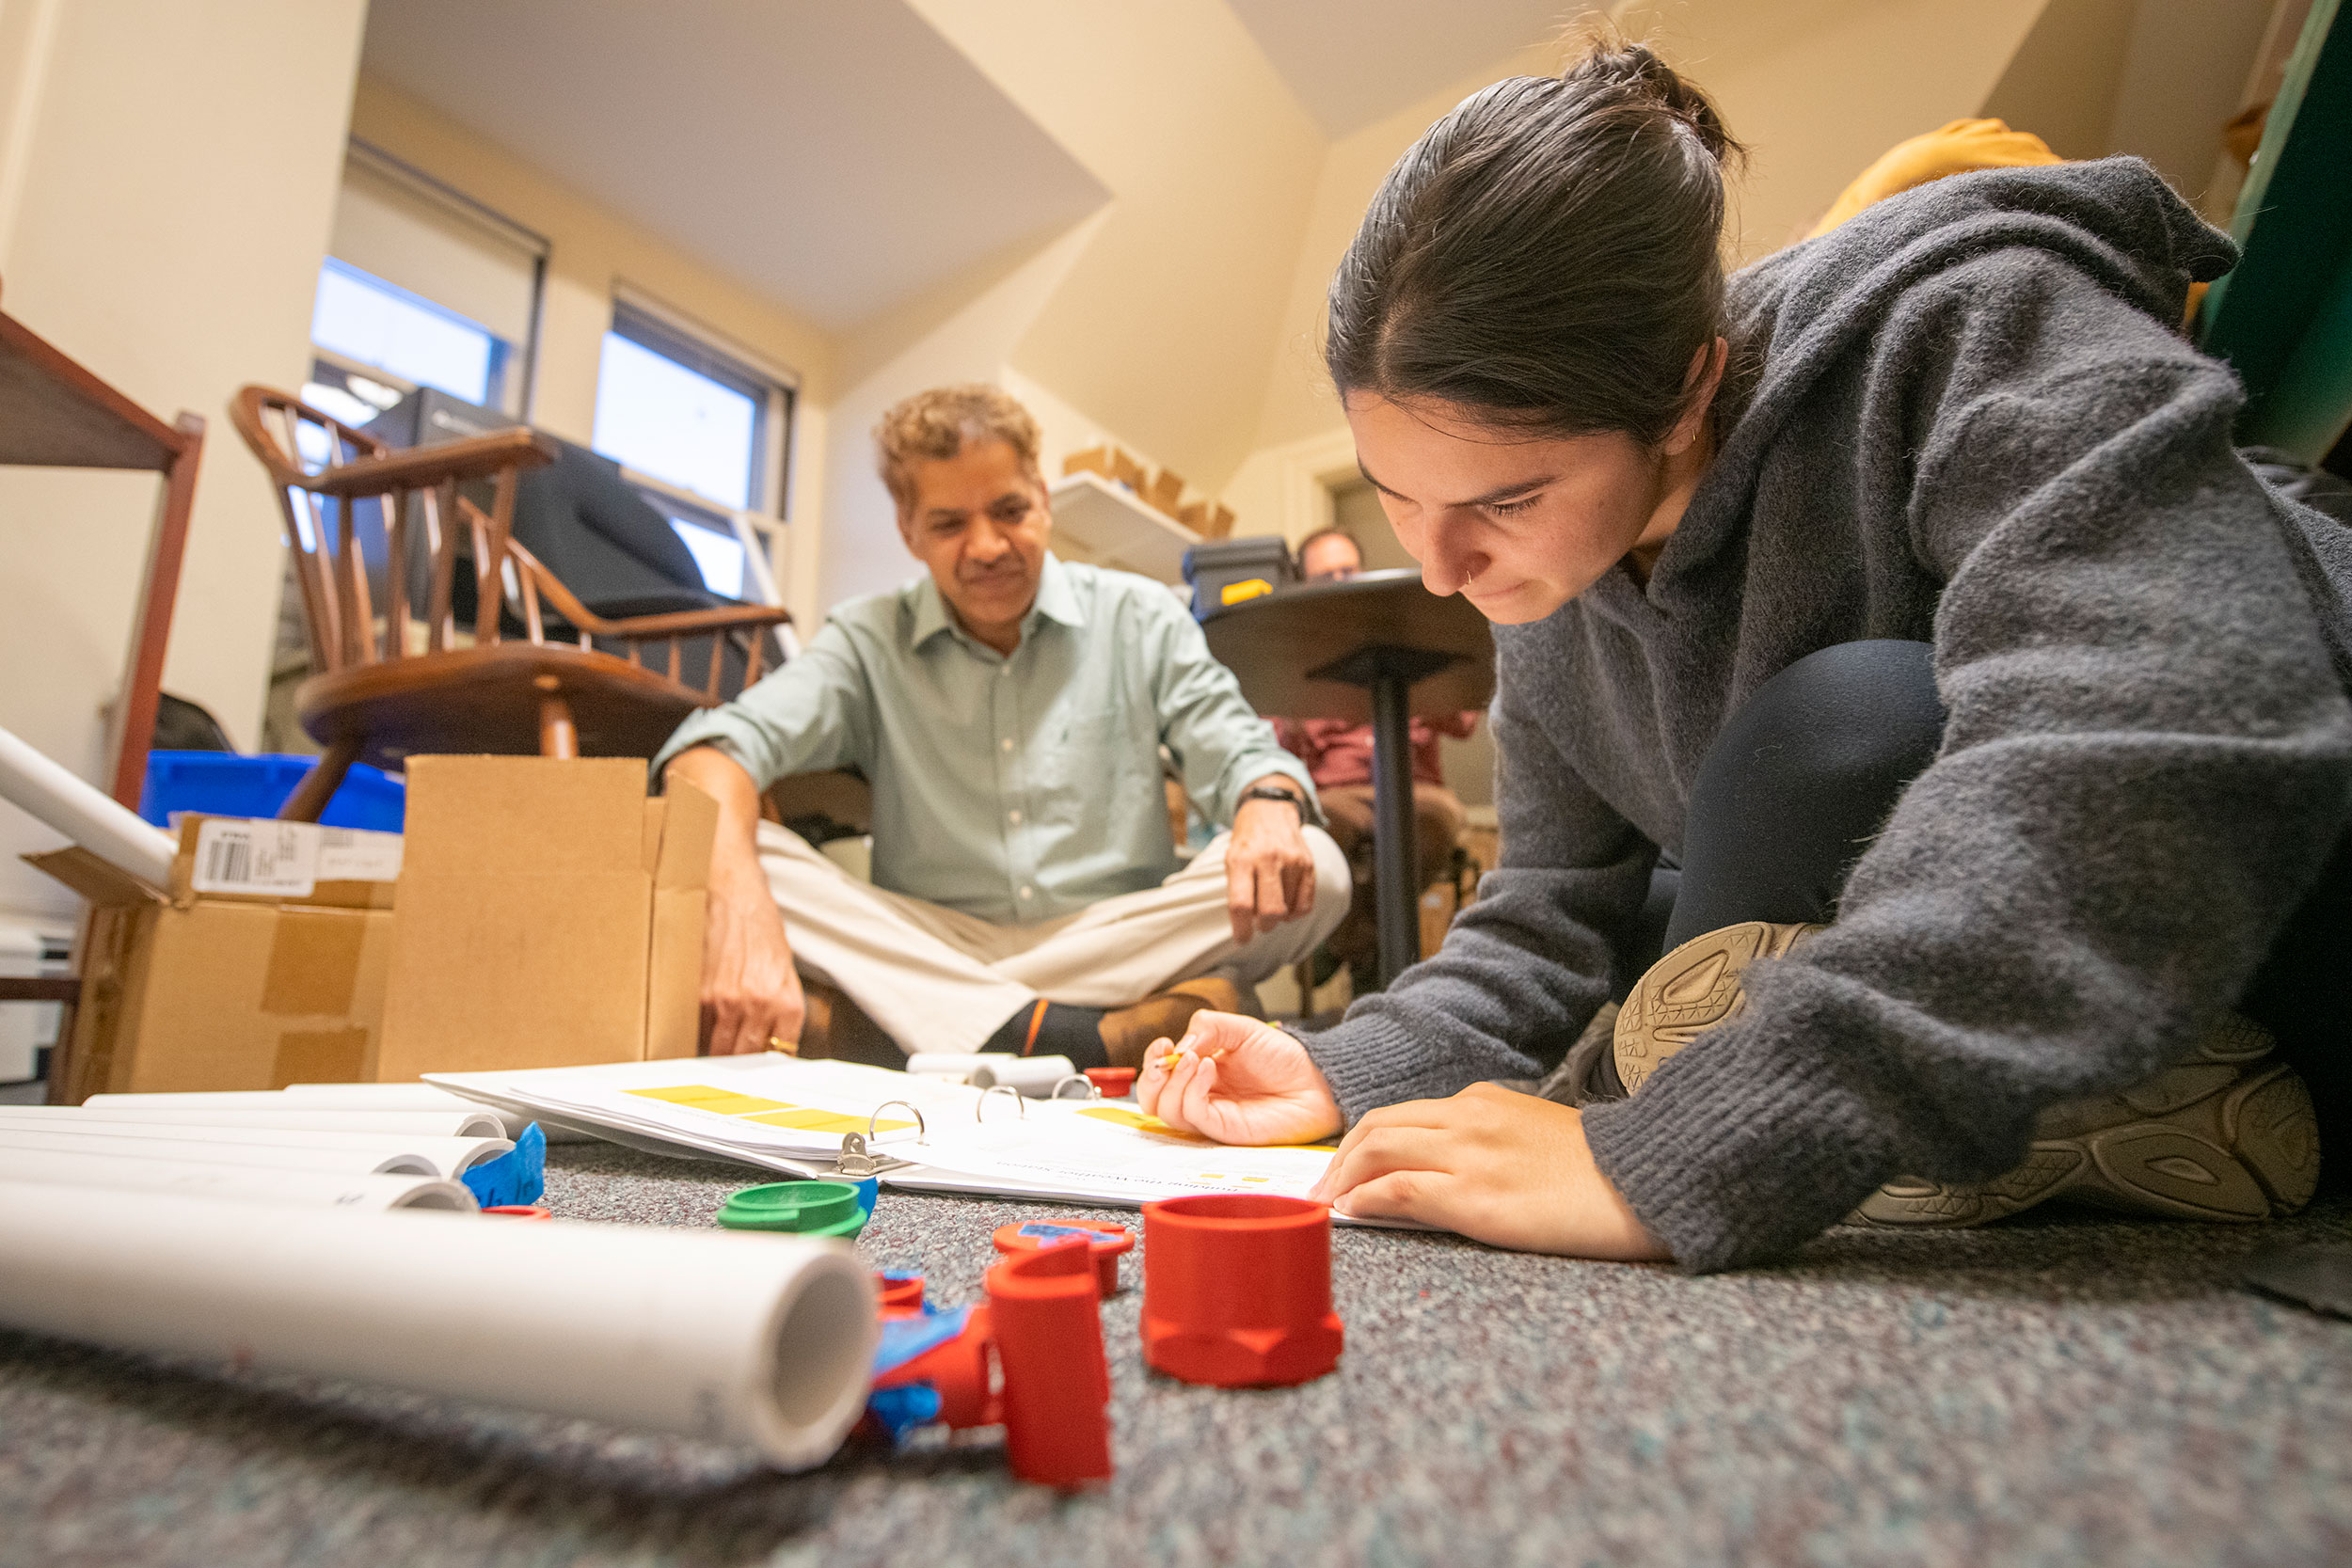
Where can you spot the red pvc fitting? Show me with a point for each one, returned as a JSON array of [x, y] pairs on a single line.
[[1047, 1322], [1237, 1290], [958, 1371], [1113, 1081], [1108, 1240], [899, 1292]]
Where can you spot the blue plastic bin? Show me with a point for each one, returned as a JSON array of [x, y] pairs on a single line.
[[221, 784]]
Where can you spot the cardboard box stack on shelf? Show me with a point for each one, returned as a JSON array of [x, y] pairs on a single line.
[[1163, 492]]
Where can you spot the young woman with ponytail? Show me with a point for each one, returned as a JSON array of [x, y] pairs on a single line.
[[1889, 636]]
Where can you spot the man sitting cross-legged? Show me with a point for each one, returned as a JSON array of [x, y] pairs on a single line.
[[1007, 709]]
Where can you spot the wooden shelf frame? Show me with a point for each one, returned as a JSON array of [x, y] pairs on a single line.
[[54, 414]]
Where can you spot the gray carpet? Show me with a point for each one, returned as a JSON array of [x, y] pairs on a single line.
[[2064, 1391]]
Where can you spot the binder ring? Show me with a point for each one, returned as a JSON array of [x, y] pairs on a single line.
[[1091, 1090], [980, 1105], [922, 1129]]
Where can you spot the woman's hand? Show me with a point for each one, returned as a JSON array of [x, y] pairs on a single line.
[[1239, 1082], [1508, 1169]]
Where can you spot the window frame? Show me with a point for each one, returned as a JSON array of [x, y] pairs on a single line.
[[775, 393], [503, 355], [523, 358]]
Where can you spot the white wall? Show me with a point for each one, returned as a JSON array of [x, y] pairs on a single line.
[[167, 176]]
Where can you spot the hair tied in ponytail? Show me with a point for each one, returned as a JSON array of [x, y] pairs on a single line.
[[1546, 255]]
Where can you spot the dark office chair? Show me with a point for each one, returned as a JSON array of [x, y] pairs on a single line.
[[619, 557]]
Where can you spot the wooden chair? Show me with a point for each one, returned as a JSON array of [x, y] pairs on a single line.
[[391, 683]]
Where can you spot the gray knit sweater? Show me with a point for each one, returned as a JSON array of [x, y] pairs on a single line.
[[1970, 421]]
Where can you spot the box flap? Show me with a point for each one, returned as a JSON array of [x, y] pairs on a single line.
[[102, 882], [686, 824], [476, 818]]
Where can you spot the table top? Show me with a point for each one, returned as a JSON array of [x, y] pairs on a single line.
[[1272, 642], [2058, 1390]]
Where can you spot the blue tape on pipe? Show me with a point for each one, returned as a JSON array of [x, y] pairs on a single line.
[[517, 1176], [904, 1339]]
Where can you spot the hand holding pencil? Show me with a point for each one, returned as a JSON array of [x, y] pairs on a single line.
[[1237, 1081]]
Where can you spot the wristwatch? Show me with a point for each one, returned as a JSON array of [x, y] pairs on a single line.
[[1271, 792]]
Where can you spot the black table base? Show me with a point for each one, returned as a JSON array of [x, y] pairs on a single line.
[[1389, 672]]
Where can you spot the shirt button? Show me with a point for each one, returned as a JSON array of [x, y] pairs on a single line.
[[1028, 893], [1014, 815], [1006, 744]]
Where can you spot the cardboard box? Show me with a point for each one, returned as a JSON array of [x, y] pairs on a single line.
[[550, 915], [262, 964], [1167, 492]]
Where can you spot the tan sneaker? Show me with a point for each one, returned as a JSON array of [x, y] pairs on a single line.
[[2221, 1136], [1128, 1031], [1690, 990], [833, 1028]]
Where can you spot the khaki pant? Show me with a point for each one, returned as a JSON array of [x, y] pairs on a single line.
[[1437, 822], [936, 979]]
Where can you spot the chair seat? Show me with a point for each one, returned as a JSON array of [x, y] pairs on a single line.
[[486, 699]]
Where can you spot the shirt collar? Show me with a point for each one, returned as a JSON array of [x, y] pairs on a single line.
[[1057, 600]]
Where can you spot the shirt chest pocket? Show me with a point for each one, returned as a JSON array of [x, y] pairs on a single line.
[[1083, 760]]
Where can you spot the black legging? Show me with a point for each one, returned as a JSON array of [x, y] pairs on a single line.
[[1809, 768]]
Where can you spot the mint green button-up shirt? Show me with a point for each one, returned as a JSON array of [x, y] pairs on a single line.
[[1016, 789]]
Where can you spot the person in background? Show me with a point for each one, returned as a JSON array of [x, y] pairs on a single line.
[[1009, 710], [1339, 756]]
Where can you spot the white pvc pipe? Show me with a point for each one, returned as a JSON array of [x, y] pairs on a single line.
[[959, 1064], [255, 1146], [84, 814], [314, 1189], [479, 1122], [335, 1097], [756, 1338], [1034, 1076]]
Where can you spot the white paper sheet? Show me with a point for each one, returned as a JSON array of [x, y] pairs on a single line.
[[767, 1109], [754, 1339]]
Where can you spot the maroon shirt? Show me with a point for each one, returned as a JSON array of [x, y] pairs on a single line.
[[1338, 753]]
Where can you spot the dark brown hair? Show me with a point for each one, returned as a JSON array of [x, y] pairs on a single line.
[[1546, 254]]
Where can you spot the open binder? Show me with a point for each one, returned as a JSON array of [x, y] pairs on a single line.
[[838, 1119]]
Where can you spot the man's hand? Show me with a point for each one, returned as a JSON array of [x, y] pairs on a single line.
[[1508, 1169], [1269, 871], [751, 998], [1239, 1082]]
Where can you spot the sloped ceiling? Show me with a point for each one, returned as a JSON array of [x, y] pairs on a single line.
[[1351, 61], [840, 157]]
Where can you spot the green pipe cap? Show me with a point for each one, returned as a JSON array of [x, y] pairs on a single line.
[[802, 1208]]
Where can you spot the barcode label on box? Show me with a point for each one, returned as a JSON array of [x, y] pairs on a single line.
[[277, 860], [356, 855]]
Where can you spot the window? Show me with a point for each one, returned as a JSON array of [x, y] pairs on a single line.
[[424, 287], [718, 553], [673, 407], [386, 328]]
